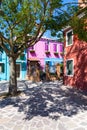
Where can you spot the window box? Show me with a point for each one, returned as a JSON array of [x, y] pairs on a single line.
[[61, 53], [56, 53], [47, 52]]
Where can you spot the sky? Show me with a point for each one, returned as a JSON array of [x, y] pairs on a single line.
[[48, 34]]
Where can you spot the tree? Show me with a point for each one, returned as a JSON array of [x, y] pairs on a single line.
[[73, 16], [22, 23], [79, 24]]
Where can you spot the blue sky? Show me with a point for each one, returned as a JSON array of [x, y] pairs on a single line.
[[48, 34]]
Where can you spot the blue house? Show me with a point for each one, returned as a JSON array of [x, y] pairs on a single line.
[[21, 65]]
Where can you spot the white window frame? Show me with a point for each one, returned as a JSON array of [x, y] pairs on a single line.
[[57, 48], [72, 67], [67, 38]]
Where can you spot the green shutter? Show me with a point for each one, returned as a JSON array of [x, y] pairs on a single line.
[[1, 49], [22, 57], [2, 67]]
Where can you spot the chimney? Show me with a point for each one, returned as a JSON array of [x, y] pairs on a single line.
[[82, 3]]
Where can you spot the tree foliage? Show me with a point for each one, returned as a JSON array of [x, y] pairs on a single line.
[[79, 24], [22, 23]]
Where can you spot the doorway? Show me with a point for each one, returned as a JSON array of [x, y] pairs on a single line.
[[18, 70]]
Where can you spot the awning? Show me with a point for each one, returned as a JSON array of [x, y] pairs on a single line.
[[56, 60], [33, 59]]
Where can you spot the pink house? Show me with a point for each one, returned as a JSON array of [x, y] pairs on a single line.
[[45, 51]]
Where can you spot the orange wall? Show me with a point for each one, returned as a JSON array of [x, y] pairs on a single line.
[[78, 52]]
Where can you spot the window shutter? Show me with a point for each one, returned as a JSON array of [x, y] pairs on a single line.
[[3, 67], [55, 48]]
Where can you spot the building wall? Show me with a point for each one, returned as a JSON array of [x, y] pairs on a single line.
[[5, 60], [41, 55], [77, 52]]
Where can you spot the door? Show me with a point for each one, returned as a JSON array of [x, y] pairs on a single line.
[[18, 68]]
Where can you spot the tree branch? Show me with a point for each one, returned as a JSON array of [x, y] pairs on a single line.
[[4, 47], [4, 38]]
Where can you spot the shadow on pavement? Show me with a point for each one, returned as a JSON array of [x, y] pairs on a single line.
[[48, 99]]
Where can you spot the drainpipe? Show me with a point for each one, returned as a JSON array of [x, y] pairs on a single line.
[[6, 68]]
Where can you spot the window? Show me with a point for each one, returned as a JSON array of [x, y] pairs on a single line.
[[32, 49], [21, 57], [55, 47], [2, 67], [61, 48], [69, 67], [1, 49], [18, 69], [47, 46], [69, 38]]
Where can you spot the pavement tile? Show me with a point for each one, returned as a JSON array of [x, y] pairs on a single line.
[[71, 124], [80, 128], [46, 121], [61, 126], [63, 112], [18, 127], [1, 127]]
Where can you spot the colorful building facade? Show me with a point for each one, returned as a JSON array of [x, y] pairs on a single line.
[[21, 64], [75, 59], [46, 51]]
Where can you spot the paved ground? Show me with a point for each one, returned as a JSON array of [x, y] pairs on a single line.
[[43, 106]]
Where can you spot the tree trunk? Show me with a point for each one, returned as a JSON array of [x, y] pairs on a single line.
[[13, 78]]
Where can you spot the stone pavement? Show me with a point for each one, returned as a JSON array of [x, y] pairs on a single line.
[[43, 106]]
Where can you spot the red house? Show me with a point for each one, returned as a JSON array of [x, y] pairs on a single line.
[[75, 60]]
